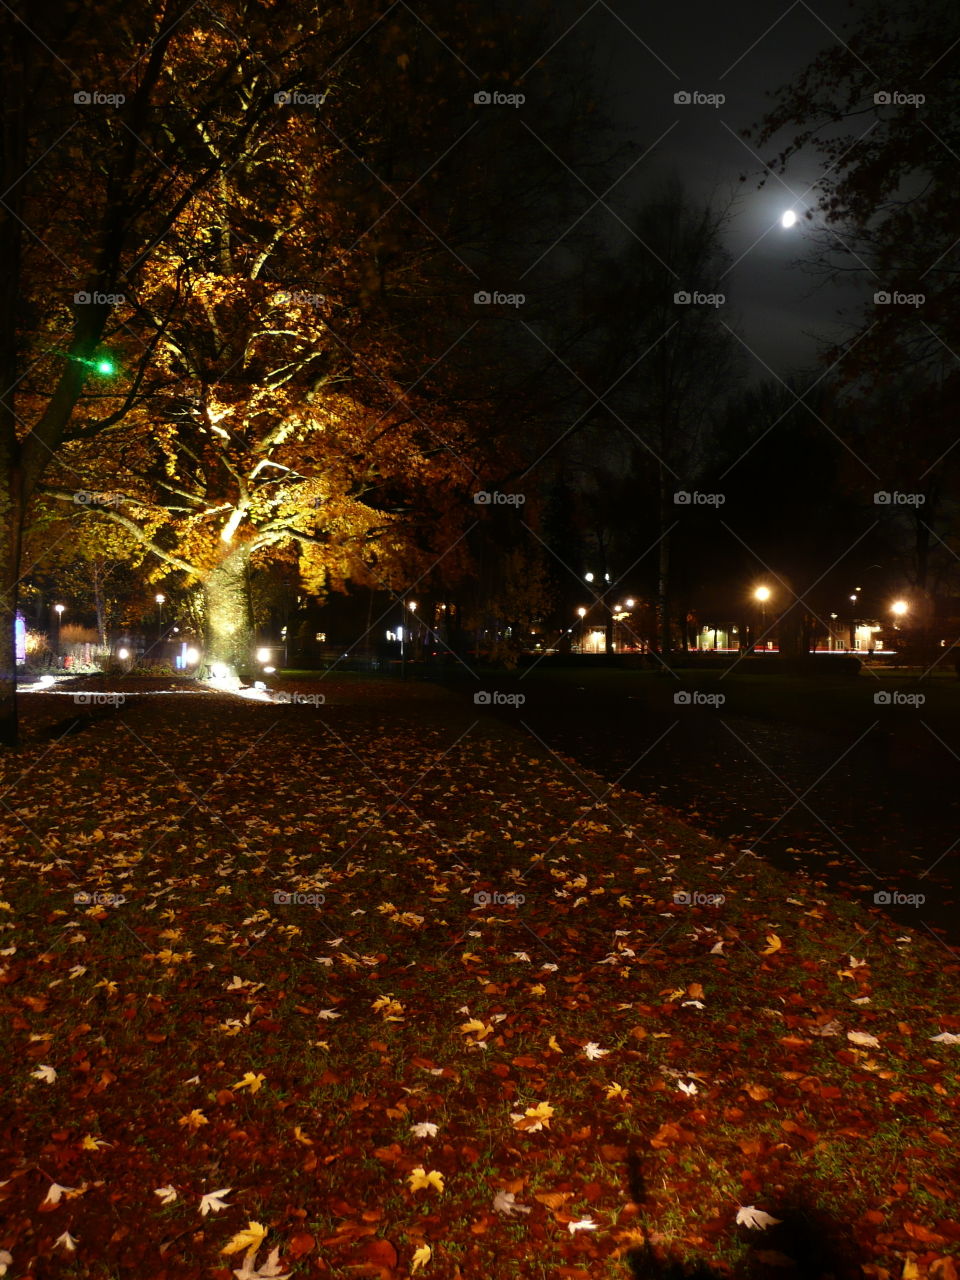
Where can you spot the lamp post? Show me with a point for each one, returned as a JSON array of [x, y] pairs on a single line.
[[581, 614], [159, 597], [58, 609], [762, 595]]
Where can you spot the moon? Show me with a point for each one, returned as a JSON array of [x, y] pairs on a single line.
[[788, 219]]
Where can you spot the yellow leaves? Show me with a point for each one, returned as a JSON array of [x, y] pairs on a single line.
[[247, 1240], [420, 1180], [538, 989], [552, 1044], [615, 1091], [91, 1143], [249, 1081], [471, 957], [533, 1118], [108, 985], [773, 944], [301, 1137], [480, 1030], [389, 1009], [420, 1258], [193, 1120]]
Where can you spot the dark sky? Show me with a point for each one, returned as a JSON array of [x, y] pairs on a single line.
[[742, 49]]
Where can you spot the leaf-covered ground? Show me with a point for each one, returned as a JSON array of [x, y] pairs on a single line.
[[484, 1032]]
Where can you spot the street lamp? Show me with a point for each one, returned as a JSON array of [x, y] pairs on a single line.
[[762, 595], [159, 597], [59, 608]]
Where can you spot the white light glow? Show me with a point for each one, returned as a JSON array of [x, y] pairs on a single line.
[[788, 220], [123, 654], [263, 655], [192, 656]]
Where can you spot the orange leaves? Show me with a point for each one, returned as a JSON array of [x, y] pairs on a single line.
[[672, 1135]]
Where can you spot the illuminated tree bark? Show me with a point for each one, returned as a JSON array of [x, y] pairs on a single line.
[[228, 627]]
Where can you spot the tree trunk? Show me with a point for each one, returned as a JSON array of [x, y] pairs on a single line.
[[99, 602], [228, 626]]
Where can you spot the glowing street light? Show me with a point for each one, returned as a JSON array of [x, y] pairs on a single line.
[[629, 602], [588, 577], [762, 595], [59, 608], [788, 219], [159, 597], [263, 655], [899, 607]]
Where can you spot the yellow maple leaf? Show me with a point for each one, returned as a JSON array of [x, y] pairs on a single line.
[[476, 1028], [250, 1081], [420, 1180], [773, 944], [420, 1258], [91, 1143], [615, 1091], [193, 1120], [391, 1010], [538, 989], [250, 1239], [552, 1044]]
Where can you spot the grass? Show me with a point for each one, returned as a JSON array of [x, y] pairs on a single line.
[[700, 1052]]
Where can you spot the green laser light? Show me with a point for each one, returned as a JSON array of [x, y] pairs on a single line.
[[105, 366]]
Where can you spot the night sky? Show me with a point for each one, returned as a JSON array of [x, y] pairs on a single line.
[[744, 50]]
